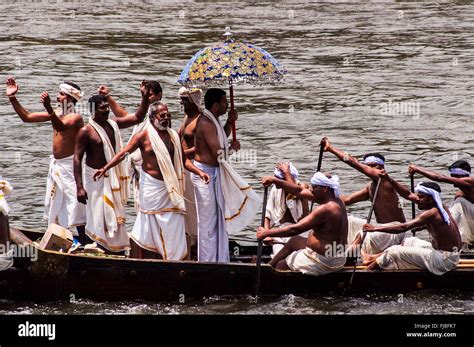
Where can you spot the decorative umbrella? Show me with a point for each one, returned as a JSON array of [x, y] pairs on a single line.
[[230, 63]]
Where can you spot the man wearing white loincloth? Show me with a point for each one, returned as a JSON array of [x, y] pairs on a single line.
[[387, 208], [462, 208], [191, 101], [100, 140], [323, 251], [61, 205], [283, 208], [154, 97], [227, 204], [160, 226], [438, 257]]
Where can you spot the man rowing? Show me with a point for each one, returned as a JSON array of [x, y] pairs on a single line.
[[191, 101], [387, 207], [227, 204], [160, 226], [61, 205], [100, 140], [283, 208], [438, 257], [462, 209], [323, 251], [155, 96]]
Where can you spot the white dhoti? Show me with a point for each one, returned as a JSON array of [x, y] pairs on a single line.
[[462, 211], [61, 205], [418, 254], [103, 225], [191, 212], [159, 226], [213, 240], [280, 242], [312, 263], [375, 242]]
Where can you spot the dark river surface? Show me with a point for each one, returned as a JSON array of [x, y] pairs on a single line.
[[396, 78]]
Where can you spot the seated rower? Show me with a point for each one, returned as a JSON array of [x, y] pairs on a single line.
[[387, 208], [438, 257], [318, 254], [462, 209], [283, 208]]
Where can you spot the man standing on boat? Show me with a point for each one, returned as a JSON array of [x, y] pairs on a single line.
[[191, 101], [387, 207], [155, 96], [160, 225], [324, 250], [282, 208], [61, 205], [227, 204], [462, 209], [100, 140], [438, 257]]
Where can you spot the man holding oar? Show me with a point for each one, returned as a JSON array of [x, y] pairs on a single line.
[[61, 205], [387, 208], [438, 257], [324, 249], [462, 209]]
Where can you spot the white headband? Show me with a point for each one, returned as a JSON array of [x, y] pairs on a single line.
[[437, 198], [458, 171], [373, 160], [194, 94], [71, 91], [319, 179], [294, 173]]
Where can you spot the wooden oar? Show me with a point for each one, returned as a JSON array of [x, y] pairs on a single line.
[[413, 213], [369, 218], [260, 242], [320, 161]]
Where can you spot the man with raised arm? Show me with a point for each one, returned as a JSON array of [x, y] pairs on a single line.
[[387, 207], [227, 204], [323, 251], [160, 225], [439, 256], [462, 209], [61, 205], [100, 140]]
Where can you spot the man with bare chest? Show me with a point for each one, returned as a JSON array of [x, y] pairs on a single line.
[[61, 205], [100, 140], [159, 226]]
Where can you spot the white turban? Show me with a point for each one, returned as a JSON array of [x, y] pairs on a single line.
[[71, 91], [320, 179], [373, 160], [436, 197], [5, 189], [294, 173], [459, 172], [194, 94]]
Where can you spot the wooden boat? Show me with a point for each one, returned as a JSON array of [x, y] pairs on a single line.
[[60, 276]]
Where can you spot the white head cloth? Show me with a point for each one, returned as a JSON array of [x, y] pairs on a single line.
[[294, 173], [459, 172], [71, 91], [320, 179], [373, 160], [437, 198], [194, 94]]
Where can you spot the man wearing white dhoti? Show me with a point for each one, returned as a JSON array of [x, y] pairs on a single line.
[[462, 208], [323, 251], [439, 257], [100, 140], [6, 254], [160, 226], [135, 158], [228, 203], [61, 205], [282, 208]]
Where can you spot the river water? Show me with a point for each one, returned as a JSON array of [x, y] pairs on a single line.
[[395, 78]]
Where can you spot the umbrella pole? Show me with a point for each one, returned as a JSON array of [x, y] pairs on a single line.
[[234, 130]]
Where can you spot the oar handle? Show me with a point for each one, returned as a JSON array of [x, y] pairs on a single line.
[[320, 162], [232, 108], [260, 242], [413, 211]]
